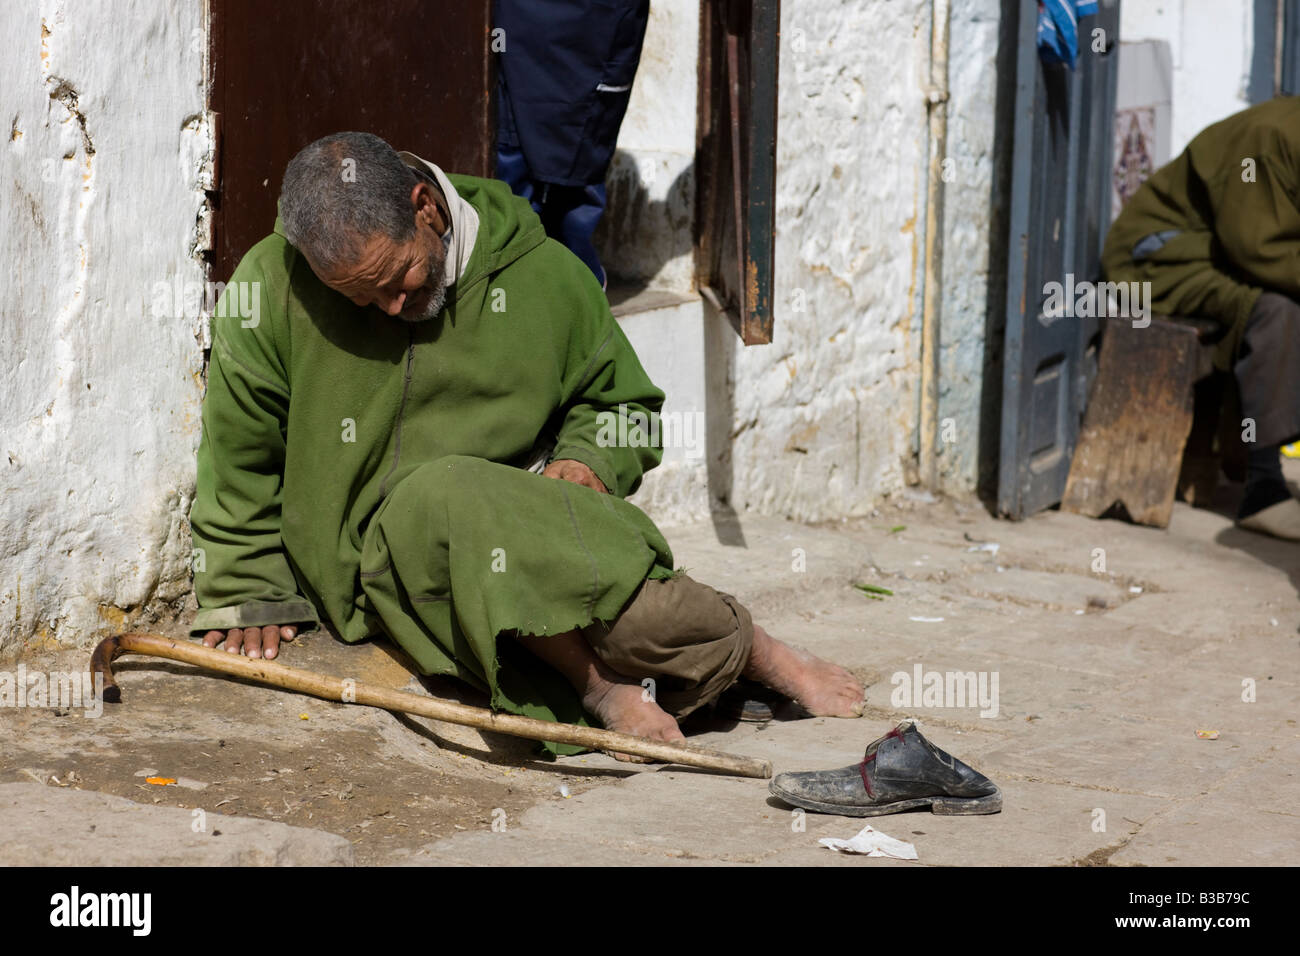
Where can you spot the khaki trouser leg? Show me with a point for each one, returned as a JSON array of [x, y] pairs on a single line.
[[692, 640]]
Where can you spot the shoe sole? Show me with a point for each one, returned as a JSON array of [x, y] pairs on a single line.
[[750, 712], [940, 805]]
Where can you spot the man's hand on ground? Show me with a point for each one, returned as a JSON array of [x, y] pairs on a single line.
[[255, 641], [566, 469]]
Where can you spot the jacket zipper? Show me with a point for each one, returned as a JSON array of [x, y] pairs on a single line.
[[401, 412]]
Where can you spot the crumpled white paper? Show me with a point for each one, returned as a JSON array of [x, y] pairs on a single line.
[[871, 842]]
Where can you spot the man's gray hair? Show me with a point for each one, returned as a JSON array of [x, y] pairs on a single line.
[[341, 191]]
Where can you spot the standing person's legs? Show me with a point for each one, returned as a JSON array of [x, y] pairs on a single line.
[[512, 169], [571, 215]]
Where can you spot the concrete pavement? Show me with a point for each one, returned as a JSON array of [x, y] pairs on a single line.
[[1110, 645]]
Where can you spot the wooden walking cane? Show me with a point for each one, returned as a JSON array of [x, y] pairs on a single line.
[[335, 689]]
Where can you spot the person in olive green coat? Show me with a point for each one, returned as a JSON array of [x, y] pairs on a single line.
[[422, 421], [1216, 233]]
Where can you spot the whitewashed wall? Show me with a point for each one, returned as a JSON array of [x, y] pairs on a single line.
[[822, 423], [969, 223], [101, 174], [1211, 42], [646, 232], [824, 416], [99, 399]]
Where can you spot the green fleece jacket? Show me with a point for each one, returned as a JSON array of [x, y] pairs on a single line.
[[317, 408]]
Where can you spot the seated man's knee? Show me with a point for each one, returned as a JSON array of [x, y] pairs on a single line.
[[691, 640]]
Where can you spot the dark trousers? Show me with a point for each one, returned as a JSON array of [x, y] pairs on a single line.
[[1268, 370], [569, 214]]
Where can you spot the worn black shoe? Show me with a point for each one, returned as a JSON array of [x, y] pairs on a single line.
[[900, 771]]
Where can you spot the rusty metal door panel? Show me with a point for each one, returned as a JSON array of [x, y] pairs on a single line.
[[736, 161], [418, 74]]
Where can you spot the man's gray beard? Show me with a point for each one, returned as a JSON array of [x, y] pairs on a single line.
[[437, 299], [438, 295]]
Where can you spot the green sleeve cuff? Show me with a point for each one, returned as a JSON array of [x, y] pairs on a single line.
[[255, 614]]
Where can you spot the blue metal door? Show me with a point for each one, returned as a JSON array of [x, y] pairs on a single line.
[[1059, 213]]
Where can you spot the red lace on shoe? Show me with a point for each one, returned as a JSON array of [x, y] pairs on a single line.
[[870, 756]]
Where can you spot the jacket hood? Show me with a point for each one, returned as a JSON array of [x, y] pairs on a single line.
[[508, 229], [462, 218]]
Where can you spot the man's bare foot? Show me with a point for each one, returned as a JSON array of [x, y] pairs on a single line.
[[617, 700], [822, 688], [622, 707]]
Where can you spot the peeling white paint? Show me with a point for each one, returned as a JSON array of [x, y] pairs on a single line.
[[1211, 42], [824, 420], [99, 399], [973, 80]]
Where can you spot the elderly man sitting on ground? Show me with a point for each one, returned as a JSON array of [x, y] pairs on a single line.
[[366, 450]]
